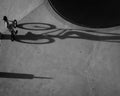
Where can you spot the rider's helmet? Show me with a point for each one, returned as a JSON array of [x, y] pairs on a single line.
[[5, 18]]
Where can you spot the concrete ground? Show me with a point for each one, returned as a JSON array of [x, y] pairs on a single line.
[[78, 67]]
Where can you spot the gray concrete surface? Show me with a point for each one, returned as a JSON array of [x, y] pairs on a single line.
[[79, 67]]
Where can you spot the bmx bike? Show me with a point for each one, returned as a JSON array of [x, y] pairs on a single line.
[[11, 27], [28, 38], [14, 22]]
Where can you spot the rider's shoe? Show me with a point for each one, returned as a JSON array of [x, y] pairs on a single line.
[[12, 38]]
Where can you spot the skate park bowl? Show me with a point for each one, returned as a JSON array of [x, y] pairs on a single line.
[[89, 14]]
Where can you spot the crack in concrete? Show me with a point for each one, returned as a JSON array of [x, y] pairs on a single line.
[[88, 72]]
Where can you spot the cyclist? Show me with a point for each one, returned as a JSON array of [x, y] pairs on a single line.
[[11, 27]]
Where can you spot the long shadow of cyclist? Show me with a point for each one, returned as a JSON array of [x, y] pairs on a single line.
[[53, 32], [31, 38]]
